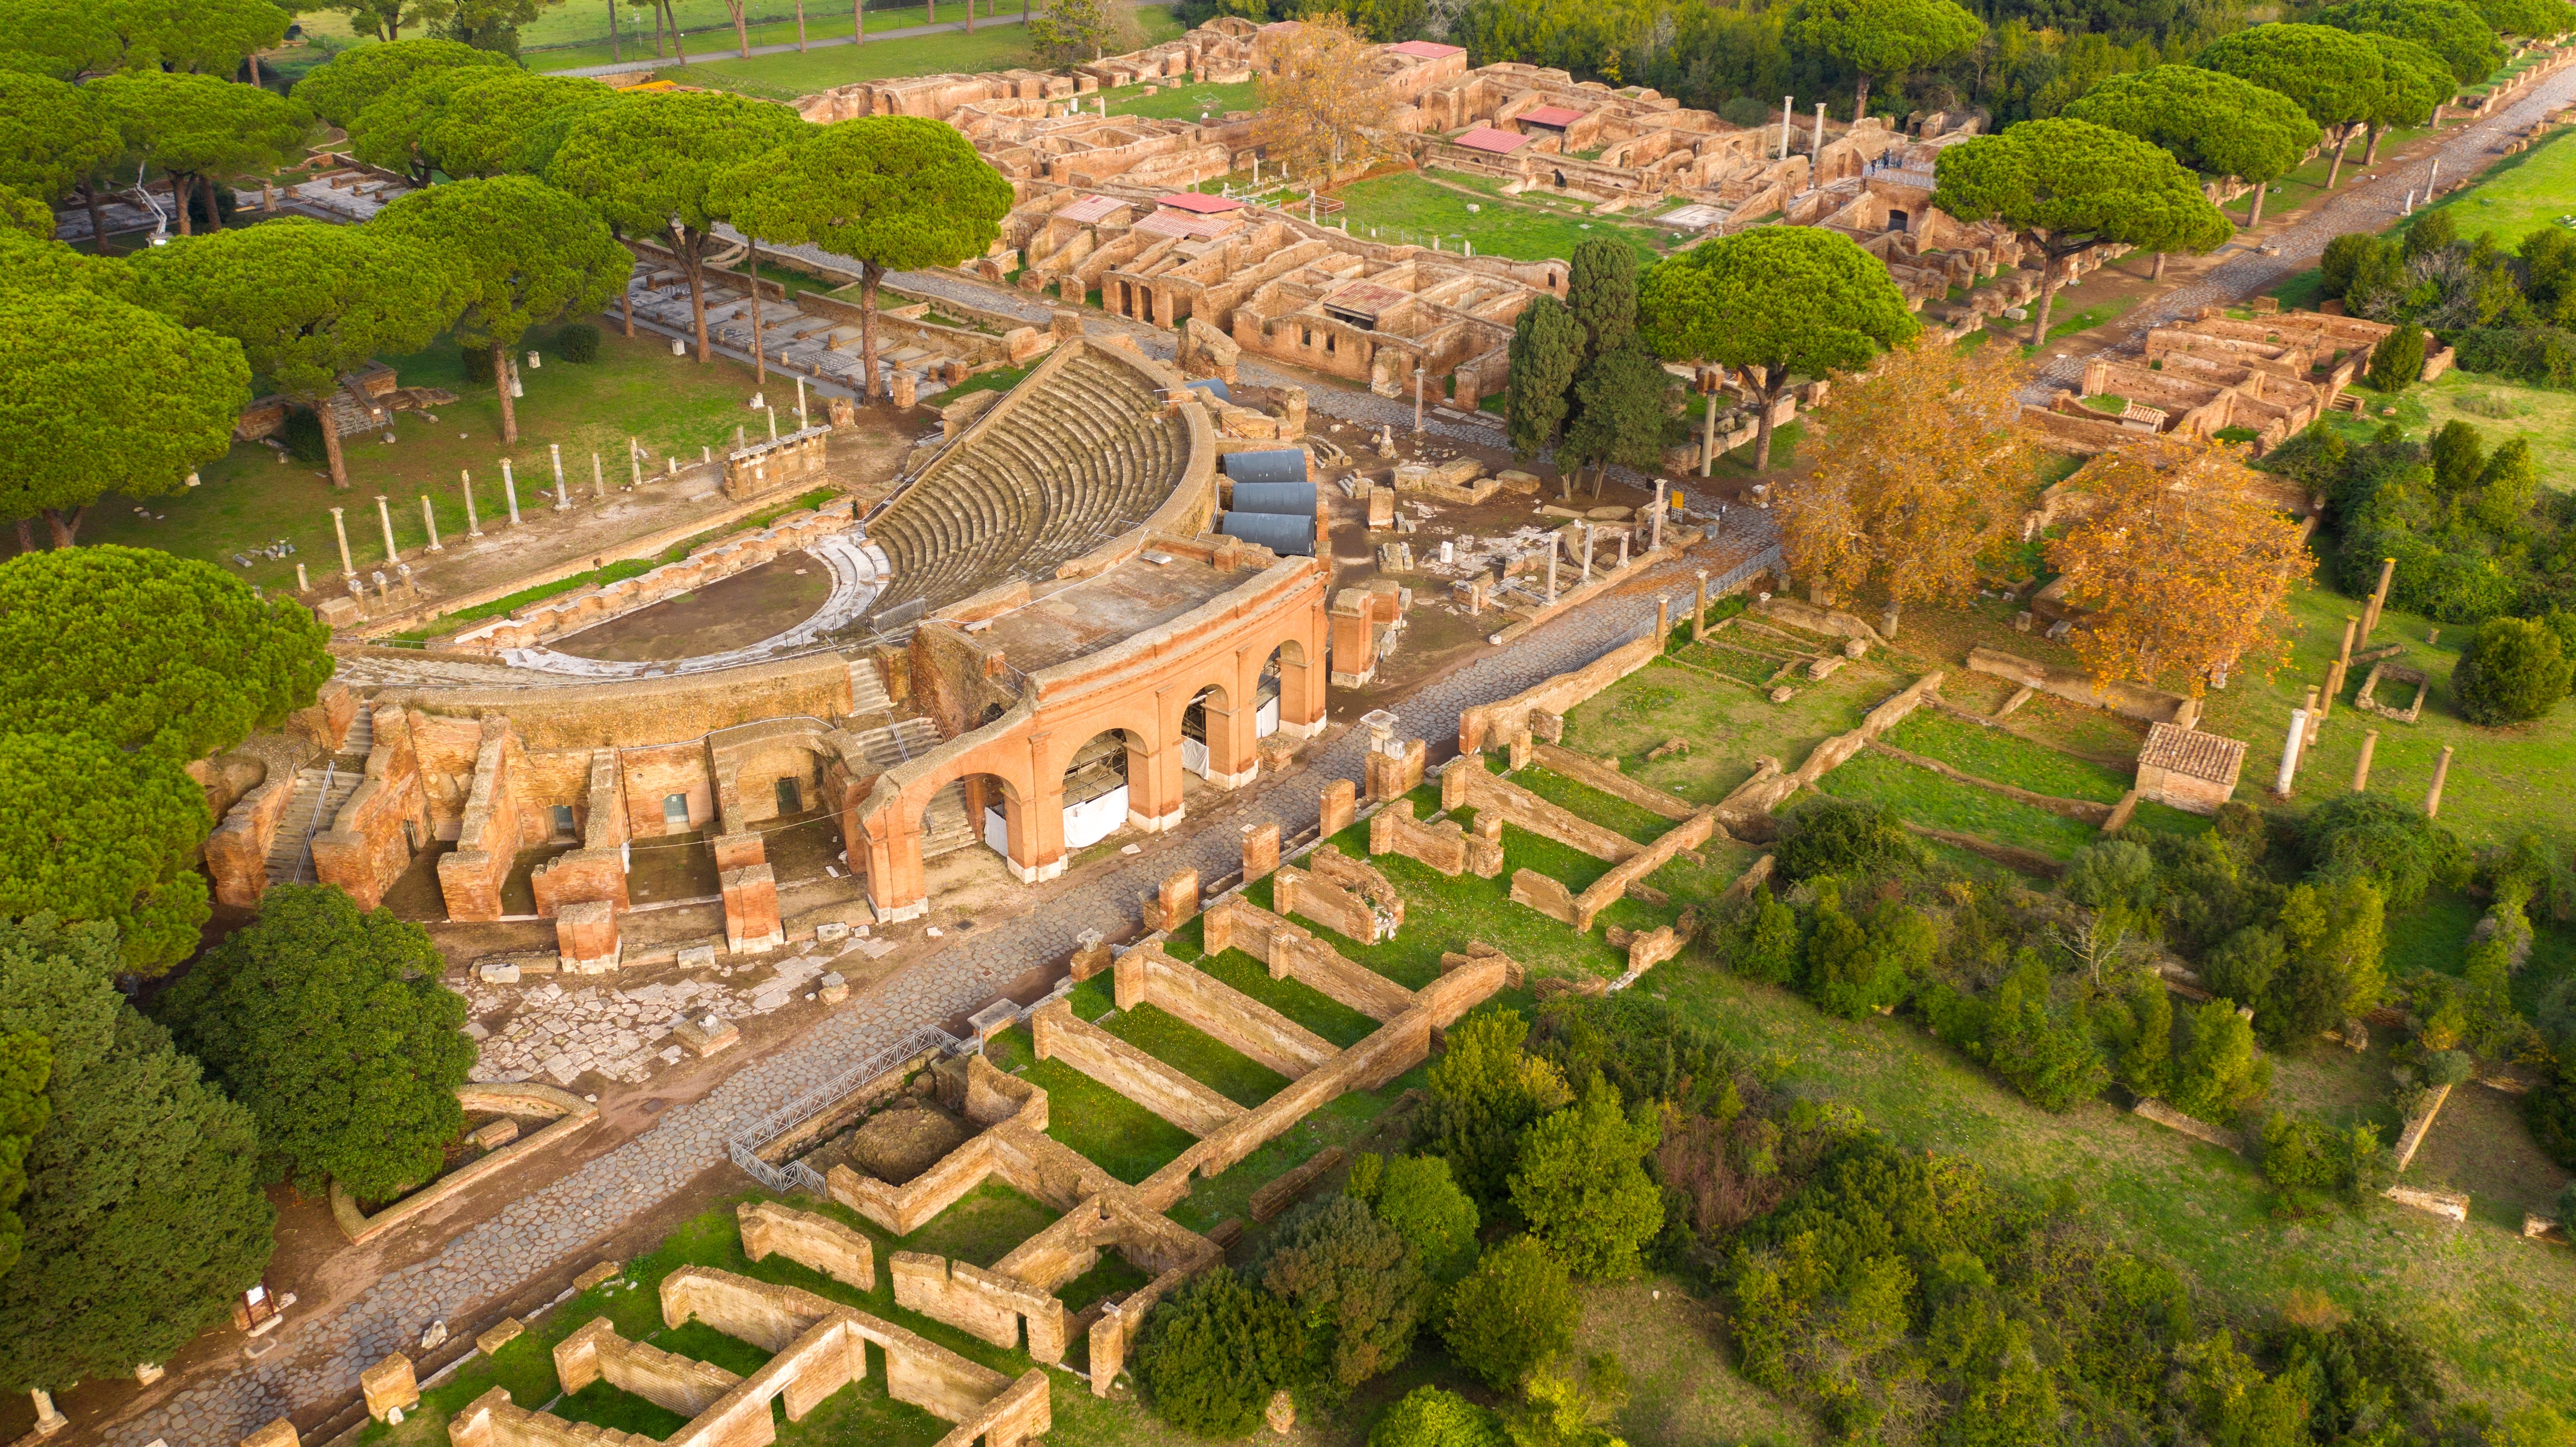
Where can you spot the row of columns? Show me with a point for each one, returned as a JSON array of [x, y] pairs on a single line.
[[473, 522], [2308, 721]]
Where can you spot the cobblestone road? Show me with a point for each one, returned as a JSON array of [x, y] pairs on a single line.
[[2359, 206], [546, 1228]]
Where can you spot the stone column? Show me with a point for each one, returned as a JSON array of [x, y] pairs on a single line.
[[1708, 436], [2361, 766], [1587, 552], [510, 491], [2290, 753], [473, 524], [2316, 720], [598, 480], [1417, 401], [340, 530], [2433, 795], [48, 1420], [1816, 158], [563, 494], [429, 520], [385, 519], [802, 422], [1655, 537], [2378, 598], [1553, 539], [1261, 852], [1699, 608], [302, 583]]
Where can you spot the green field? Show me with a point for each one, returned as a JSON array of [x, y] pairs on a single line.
[[2522, 194], [785, 77], [1413, 208], [250, 496], [1920, 796], [2006, 758], [1187, 102]]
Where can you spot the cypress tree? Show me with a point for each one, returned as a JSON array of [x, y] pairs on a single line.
[[1547, 348]]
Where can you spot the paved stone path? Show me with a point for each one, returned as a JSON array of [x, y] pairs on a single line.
[[547, 1227], [2359, 206]]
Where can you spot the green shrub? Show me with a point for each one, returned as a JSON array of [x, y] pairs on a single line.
[[2550, 1113], [1213, 1352], [1485, 1093], [1852, 970], [2048, 1056], [1430, 1417], [2459, 455], [1770, 942], [2448, 1067], [579, 342], [2398, 361], [302, 435], [477, 362], [2401, 850], [2303, 1157], [2513, 671], [1354, 1281], [2242, 966], [1516, 1309], [1416, 1197], [1645, 1048], [1837, 836], [2343, 257], [2221, 1074], [1583, 1186]]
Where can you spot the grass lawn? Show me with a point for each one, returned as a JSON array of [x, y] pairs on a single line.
[[2504, 782], [1187, 102], [983, 1226], [1192, 1051], [2518, 195], [249, 497], [2062, 323], [2500, 407], [787, 76], [1727, 727], [1336, 1022], [1120, 1136], [2497, 1311], [1413, 208], [1920, 796], [2006, 758], [1607, 810], [2307, 185]]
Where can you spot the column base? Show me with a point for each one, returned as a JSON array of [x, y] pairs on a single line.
[[1303, 730], [1157, 826], [604, 965], [898, 913], [1033, 873], [1234, 781], [763, 944]]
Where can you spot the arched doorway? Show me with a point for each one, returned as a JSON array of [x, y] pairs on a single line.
[[1097, 796], [987, 811]]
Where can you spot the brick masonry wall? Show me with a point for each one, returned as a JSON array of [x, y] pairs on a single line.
[[1129, 1071], [1146, 975], [1468, 784]]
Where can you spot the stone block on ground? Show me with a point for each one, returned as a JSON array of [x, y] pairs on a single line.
[[499, 1335], [389, 1386], [706, 1034], [604, 1271]]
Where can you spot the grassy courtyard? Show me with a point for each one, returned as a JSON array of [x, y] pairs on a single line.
[[254, 494], [787, 76], [2522, 194], [1417, 209], [1184, 102]]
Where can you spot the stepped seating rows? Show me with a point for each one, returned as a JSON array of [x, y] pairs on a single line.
[[1087, 456]]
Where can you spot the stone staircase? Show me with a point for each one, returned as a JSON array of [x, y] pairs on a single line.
[[362, 737], [867, 690], [897, 742], [945, 829], [318, 797]]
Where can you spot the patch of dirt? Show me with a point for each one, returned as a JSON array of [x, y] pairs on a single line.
[[903, 1140]]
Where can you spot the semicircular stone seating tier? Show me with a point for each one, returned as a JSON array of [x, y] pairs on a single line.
[[858, 569], [1086, 453]]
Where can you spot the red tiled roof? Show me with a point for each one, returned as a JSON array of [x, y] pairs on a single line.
[[1203, 204], [1551, 116], [1090, 209], [1426, 49], [2192, 753], [1185, 225], [1486, 138]]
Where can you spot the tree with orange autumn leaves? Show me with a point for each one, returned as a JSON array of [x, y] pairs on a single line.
[[1921, 483], [2179, 564]]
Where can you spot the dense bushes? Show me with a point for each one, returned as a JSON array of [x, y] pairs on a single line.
[[1836, 836], [578, 341], [2513, 671], [1356, 1284], [1515, 1310], [1213, 1352], [2304, 1158]]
